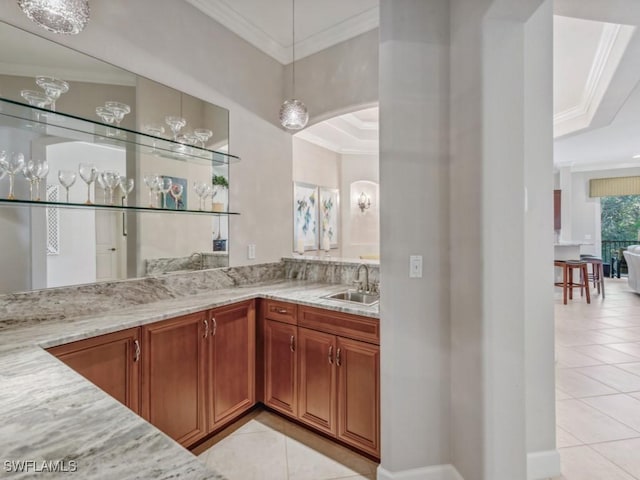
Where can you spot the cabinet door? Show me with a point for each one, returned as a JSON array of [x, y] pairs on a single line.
[[173, 377], [358, 366], [280, 366], [317, 379], [231, 377], [111, 361]]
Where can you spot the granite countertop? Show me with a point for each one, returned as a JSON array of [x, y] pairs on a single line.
[[51, 413]]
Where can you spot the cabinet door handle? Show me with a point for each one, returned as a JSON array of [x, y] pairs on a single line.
[[206, 328], [136, 352], [214, 326], [281, 310], [292, 343], [330, 354], [338, 360]]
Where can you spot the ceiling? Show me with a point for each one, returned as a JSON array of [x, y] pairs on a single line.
[[268, 24]]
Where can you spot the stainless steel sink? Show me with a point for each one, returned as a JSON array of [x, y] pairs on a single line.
[[356, 297]]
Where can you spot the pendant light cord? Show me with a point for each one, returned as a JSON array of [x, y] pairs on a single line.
[[293, 45]]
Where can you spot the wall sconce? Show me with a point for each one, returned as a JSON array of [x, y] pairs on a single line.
[[364, 202]]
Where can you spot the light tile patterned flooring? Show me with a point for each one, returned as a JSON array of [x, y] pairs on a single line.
[[598, 385], [264, 446]]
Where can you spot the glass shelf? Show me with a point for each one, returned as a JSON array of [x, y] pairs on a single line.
[[20, 115], [32, 203]]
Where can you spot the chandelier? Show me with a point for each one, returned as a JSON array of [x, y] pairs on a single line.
[[58, 16], [293, 112]]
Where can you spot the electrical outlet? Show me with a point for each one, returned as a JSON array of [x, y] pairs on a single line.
[[415, 266], [251, 252]]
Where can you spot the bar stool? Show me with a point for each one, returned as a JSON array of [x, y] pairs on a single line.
[[567, 283], [597, 272]]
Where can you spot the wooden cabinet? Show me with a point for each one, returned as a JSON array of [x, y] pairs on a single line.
[[280, 367], [112, 362], [317, 400], [173, 376], [358, 365], [557, 209], [231, 353]]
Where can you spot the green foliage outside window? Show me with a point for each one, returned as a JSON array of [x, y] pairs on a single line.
[[620, 217]]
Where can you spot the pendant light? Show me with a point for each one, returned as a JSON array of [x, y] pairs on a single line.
[[58, 16], [293, 113]]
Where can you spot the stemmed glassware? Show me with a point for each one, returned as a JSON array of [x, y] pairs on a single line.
[[111, 180], [175, 124], [11, 163], [118, 110], [88, 173], [155, 130], [164, 185], [35, 171], [176, 192], [67, 178], [103, 186], [41, 172], [151, 180], [53, 88], [126, 186], [35, 98], [202, 134], [29, 172], [203, 190]]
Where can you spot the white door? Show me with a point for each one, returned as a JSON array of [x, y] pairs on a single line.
[[108, 244]]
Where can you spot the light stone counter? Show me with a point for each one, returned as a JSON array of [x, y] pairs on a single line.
[[49, 412]]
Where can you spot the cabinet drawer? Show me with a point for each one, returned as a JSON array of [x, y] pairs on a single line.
[[281, 311], [338, 323]]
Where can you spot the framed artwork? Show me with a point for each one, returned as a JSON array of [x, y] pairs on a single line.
[[305, 217], [177, 194], [329, 216]]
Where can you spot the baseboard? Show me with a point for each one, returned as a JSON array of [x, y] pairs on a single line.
[[436, 472], [543, 465]]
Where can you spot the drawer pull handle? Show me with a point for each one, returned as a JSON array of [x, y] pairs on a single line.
[[330, 354], [338, 359], [292, 344], [215, 326], [136, 354], [206, 328], [281, 310]]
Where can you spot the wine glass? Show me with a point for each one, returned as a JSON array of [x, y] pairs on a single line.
[[164, 186], [41, 172], [202, 190], [112, 181], [155, 130], [53, 88], [176, 192], [126, 186], [36, 99], [29, 172], [202, 134], [88, 173], [107, 117], [175, 124], [11, 163], [103, 186], [118, 110], [151, 180], [67, 178]]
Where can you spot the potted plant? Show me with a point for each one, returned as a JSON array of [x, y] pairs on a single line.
[[219, 182]]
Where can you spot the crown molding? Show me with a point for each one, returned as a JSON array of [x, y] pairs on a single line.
[[221, 12], [359, 124], [336, 148], [613, 42]]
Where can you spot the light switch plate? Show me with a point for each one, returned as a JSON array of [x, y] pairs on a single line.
[[415, 266], [251, 252]]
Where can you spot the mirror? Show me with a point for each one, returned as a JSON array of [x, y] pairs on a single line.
[[42, 247]]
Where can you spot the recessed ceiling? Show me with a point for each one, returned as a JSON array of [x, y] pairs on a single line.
[[318, 24]]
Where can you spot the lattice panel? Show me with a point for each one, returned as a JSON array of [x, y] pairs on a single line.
[[53, 221]]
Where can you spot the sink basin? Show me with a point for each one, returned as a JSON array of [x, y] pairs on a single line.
[[355, 297]]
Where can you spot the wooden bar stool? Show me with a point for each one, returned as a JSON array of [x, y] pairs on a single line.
[[567, 283]]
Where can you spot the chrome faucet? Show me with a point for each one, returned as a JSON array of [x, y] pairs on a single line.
[[192, 260], [363, 285]]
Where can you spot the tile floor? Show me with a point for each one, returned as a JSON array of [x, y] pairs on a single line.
[[598, 385], [264, 446]]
